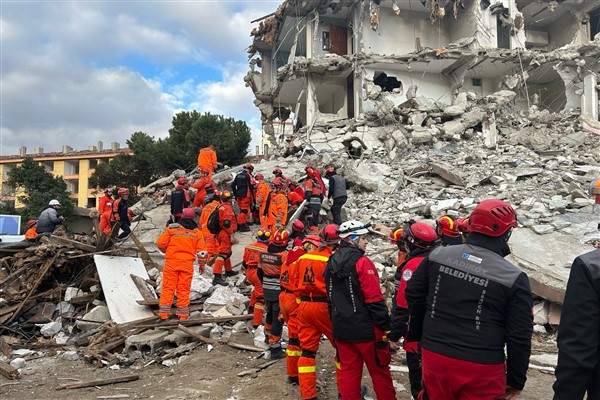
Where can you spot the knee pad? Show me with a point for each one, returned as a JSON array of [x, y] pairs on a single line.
[[309, 354], [294, 342]]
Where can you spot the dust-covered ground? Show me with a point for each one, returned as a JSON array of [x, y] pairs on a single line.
[[209, 375]]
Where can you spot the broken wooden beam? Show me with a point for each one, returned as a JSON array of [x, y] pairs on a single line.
[[197, 321], [257, 368], [142, 286], [207, 340], [70, 243], [98, 382], [9, 371]]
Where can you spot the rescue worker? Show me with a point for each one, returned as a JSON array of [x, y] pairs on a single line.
[[359, 315], [278, 173], [395, 237], [49, 218], [120, 213], [201, 187], [105, 226], [207, 159], [313, 312], [107, 198], [289, 305], [298, 234], [578, 369], [31, 233], [182, 244], [180, 199], [277, 208], [419, 239], [261, 194], [463, 228], [211, 241], [313, 195], [250, 265], [269, 272], [481, 304], [224, 240], [447, 230], [337, 194], [243, 191]]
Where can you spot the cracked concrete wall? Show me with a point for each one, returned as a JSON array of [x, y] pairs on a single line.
[[563, 31]]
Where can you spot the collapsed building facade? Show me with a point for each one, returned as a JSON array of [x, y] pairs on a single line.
[[333, 60]]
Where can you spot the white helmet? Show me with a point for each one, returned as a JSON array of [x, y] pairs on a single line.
[[54, 202], [353, 227]]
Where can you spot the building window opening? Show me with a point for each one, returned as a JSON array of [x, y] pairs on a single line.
[[594, 23], [387, 83]]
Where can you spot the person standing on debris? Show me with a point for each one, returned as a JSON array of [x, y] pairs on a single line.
[[278, 173], [313, 194], [419, 239], [31, 233], [298, 233], [250, 264], [481, 303], [49, 218], [261, 194], [224, 240], [207, 159], [180, 199], [397, 239], [278, 207], [269, 273], [105, 220], [578, 369], [447, 230], [182, 244], [201, 185], [313, 311], [243, 191], [337, 193], [102, 202], [289, 305], [359, 315], [120, 213], [214, 201]]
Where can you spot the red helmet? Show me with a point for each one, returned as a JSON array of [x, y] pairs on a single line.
[[329, 233], [281, 237], [395, 236], [31, 222], [310, 171], [182, 181], [217, 193], [445, 225], [226, 195], [330, 171], [249, 167], [277, 171], [263, 236], [419, 234], [122, 191], [259, 176], [188, 213], [312, 239], [492, 217], [463, 225], [209, 187], [298, 226]]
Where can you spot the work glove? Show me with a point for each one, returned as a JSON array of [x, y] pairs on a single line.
[[227, 224]]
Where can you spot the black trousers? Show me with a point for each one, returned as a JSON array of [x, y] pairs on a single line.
[[336, 209], [413, 360]]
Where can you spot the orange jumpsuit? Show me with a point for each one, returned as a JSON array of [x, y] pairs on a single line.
[[250, 264], [289, 309], [278, 209], [271, 264], [313, 318], [295, 199], [31, 233], [180, 246], [102, 203], [210, 239], [105, 222], [224, 239], [201, 193], [207, 159], [261, 195]]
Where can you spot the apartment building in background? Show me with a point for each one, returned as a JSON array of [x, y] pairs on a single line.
[[74, 166]]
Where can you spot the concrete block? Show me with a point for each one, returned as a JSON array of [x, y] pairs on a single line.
[[542, 229], [147, 342], [72, 292], [50, 329], [70, 355], [100, 314], [554, 314], [18, 363], [540, 313], [176, 339]]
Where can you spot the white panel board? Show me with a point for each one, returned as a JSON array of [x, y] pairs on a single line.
[[119, 289]]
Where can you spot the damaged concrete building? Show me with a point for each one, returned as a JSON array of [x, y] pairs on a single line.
[[331, 60]]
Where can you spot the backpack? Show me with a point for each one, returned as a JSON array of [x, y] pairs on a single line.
[[212, 224]]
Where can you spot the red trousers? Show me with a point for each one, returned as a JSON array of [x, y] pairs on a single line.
[[257, 299], [289, 309], [177, 276], [224, 252], [453, 379], [244, 204], [376, 356]]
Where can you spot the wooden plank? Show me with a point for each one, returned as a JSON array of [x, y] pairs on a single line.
[[206, 340], [8, 371], [98, 382], [142, 286], [72, 243], [198, 321], [257, 368], [143, 252]]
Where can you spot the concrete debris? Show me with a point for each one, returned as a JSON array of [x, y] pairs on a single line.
[[18, 363]]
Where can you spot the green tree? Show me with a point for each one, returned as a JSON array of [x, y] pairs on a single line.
[[38, 188], [121, 171]]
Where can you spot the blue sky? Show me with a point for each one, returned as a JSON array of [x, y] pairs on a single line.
[[76, 72]]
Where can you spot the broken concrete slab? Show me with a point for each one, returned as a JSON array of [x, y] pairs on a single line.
[[94, 318], [146, 342]]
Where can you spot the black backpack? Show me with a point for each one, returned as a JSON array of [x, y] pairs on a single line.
[[213, 224]]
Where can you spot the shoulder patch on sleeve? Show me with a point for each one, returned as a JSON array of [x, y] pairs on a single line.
[[407, 274]]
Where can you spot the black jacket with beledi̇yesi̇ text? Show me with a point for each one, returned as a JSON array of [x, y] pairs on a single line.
[[471, 303]]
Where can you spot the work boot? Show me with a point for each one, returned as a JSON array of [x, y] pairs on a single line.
[[277, 353], [363, 392], [292, 380], [231, 273], [218, 280], [243, 228]]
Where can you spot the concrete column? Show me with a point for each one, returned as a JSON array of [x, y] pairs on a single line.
[[589, 98], [312, 105]]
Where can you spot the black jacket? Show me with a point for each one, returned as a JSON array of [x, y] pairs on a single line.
[[472, 302], [578, 369], [179, 201], [241, 184], [354, 314]]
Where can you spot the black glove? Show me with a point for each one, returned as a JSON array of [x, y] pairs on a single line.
[[227, 224]]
